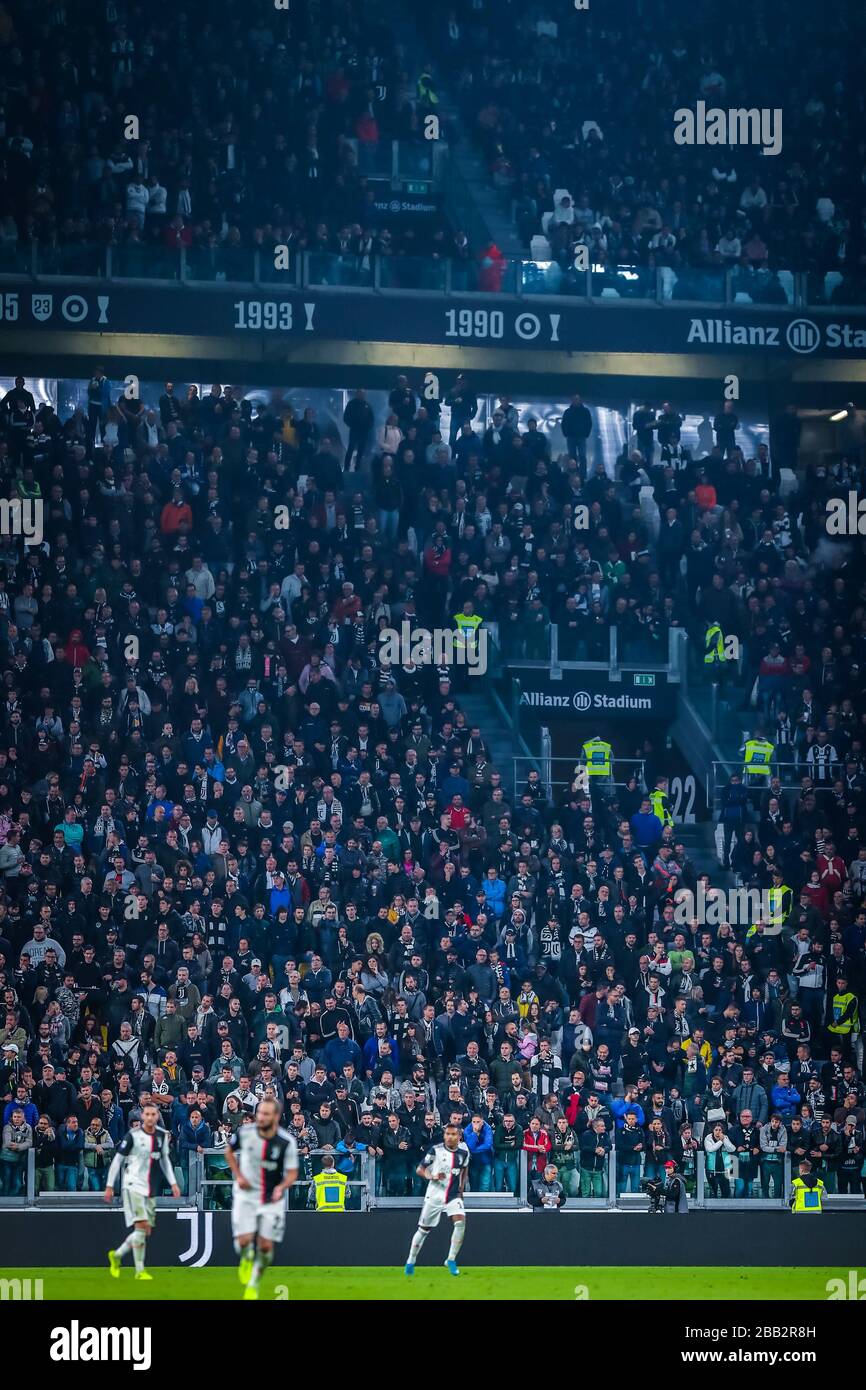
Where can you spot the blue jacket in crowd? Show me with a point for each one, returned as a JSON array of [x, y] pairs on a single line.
[[480, 1145]]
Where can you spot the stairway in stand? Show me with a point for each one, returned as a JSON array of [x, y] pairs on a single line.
[[479, 709], [700, 842]]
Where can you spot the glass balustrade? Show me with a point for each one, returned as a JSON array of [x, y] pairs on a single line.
[[485, 272]]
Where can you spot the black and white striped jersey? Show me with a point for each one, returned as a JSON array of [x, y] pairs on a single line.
[[822, 761], [447, 1164], [136, 1156], [264, 1162]]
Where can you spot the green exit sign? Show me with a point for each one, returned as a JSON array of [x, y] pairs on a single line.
[[644, 680], [417, 188]]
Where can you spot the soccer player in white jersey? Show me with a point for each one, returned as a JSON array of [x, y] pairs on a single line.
[[263, 1159], [139, 1149], [445, 1167]]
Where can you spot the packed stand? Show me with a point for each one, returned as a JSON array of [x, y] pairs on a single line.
[[574, 108], [268, 129], [240, 855]]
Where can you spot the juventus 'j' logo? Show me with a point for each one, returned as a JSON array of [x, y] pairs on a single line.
[[196, 1219]]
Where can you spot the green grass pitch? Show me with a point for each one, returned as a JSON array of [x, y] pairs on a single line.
[[431, 1283]]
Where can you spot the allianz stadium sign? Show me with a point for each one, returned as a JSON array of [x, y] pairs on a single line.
[[800, 335], [582, 701], [586, 693]]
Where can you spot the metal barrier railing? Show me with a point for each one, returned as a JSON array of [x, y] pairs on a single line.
[[709, 1192], [612, 1187], [560, 774], [789, 775], [544, 650], [524, 277], [212, 1188], [510, 1191]]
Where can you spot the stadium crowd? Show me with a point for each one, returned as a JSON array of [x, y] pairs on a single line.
[[260, 130], [241, 854], [575, 109], [283, 143]]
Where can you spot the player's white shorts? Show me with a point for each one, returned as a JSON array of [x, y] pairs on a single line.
[[251, 1217], [137, 1207], [433, 1209]]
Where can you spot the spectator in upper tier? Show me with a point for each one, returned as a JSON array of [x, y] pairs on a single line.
[[687, 217]]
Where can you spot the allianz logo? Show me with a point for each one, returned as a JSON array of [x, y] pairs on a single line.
[[800, 335], [581, 701]]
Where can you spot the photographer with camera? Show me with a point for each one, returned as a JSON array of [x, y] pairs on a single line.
[[676, 1197], [668, 1196]]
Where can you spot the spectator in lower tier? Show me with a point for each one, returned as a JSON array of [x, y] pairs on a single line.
[[242, 851], [70, 1151], [98, 1153], [479, 1140], [17, 1143]]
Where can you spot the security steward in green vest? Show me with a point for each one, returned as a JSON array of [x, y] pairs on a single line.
[[659, 802], [598, 756], [467, 622], [807, 1191], [330, 1187], [714, 646], [466, 645], [781, 903], [758, 760], [426, 91], [844, 1015]]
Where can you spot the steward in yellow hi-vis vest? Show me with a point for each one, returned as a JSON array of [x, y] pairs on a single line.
[[844, 1012], [330, 1187], [758, 758], [659, 802], [468, 623], [807, 1191], [598, 757], [426, 91], [781, 900], [714, 646]]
